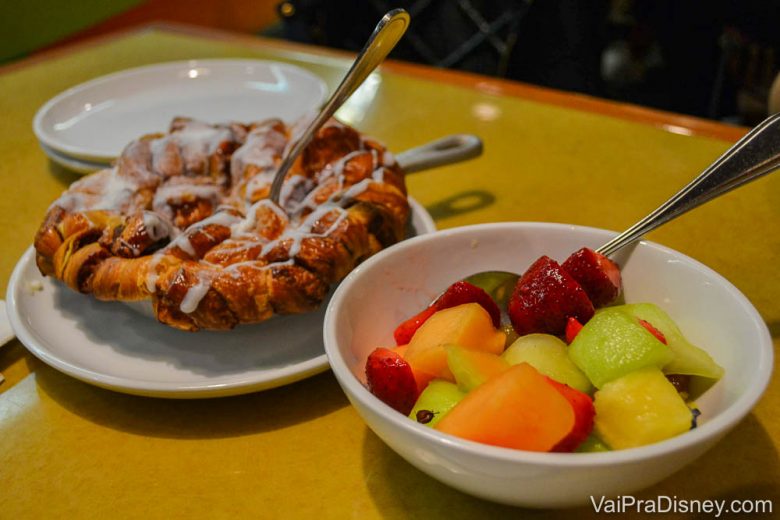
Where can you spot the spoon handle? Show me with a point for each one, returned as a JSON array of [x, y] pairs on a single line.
[[384, 38], [755, 155], [447, 150]]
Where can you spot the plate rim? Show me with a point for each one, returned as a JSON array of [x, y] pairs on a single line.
[[77, 152], [133, 386], [73, 164]]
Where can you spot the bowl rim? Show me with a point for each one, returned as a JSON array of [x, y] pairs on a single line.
[[710, 430]]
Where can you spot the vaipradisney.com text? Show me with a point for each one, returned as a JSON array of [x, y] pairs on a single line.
[[674, 504]]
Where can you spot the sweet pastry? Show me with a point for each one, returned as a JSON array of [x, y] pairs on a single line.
[[183, 219]]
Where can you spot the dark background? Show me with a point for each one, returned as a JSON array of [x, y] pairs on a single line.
[[710, 58], [714, 59]]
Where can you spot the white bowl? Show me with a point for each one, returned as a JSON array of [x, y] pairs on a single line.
[[400, 281]]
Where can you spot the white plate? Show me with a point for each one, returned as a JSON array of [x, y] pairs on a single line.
[[6, 334], [95, 120], [108, 344], [73, 164]]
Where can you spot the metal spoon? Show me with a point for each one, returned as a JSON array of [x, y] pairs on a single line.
[[384, 38], [447, 150], [753, 156]]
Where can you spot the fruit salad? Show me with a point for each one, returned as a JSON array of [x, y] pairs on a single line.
[[549, 361]]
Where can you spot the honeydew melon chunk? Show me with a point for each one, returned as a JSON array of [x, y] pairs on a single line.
[[592, 445], [612, 344], [640, 408], [549, 355], [438, 398], [471, 368], [688, 358], [468, 325]]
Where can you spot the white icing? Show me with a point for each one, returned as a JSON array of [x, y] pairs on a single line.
[[356, 189], [258, 182], [250, 221], [220, 218], [158, 148], [156, 227], [296, 234], [262, 148], [151, 274], [198, 138], [197, 292], [179, 192], [105, 190], [289, 195], [183, 243], [260, 157], [116, 193]]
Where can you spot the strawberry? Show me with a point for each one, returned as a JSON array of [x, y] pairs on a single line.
[[598, 275], [465, 292], [404, 332], [655, 332], [573, 327], [456, 294], [545, 297], [391, 379], [584, 413]]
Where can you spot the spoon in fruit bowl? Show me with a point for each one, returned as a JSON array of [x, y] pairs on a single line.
[[753, 156], [386, 35]]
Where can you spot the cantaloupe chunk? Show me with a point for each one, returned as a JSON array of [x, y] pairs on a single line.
[[517, 409], [468, 325], [422, 379]]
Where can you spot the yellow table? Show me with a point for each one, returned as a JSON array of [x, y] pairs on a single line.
[[70, 449]]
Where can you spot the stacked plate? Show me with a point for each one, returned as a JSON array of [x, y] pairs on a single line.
[[86, 127]]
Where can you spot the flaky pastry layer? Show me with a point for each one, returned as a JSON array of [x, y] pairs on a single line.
[[183, 219]]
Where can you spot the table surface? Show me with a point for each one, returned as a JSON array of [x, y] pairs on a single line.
[[301, 450]]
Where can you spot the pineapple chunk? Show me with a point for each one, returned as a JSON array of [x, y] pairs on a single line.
[[640, 408]]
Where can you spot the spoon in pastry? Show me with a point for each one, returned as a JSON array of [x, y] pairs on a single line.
[[384, 38], [752, 157]]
